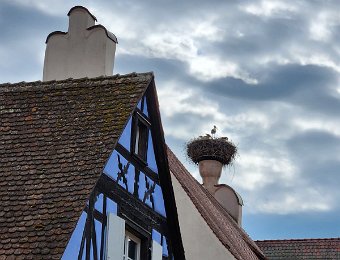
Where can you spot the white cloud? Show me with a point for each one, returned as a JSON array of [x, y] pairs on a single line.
[[176, 101], [270, 8], [329, 125], [184, 46], [258, 169], [183, 43], [308, 200], [206, 29], [49, 7], [321, 25]]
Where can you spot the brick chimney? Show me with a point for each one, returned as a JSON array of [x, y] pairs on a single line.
[[86, 50], [211, 154]]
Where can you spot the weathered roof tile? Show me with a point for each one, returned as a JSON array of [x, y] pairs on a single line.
[[326, 248], [55, 138]]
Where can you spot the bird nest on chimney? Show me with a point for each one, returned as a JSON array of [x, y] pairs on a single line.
[[211, 148]]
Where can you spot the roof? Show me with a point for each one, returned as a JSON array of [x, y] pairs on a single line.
[[231, 235], [55, 138], [327, 248]]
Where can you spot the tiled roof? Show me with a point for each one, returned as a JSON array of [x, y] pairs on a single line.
[[231, 235], [55, 138], [322, 249]]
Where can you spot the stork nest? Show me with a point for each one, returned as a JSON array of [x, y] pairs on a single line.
[[208, 148]]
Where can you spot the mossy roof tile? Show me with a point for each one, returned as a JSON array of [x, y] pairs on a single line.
[[55, 138]]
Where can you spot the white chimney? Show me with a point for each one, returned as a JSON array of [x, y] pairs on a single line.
[[211, 153], [86, 50], [210, 171]]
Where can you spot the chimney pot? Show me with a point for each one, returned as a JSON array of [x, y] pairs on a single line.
[[210, 171]]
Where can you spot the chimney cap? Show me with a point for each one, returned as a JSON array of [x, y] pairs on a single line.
[[53, 33], [81, 7], [109, 34]]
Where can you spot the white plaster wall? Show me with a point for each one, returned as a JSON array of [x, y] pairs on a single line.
[[79, 53], [199, 242]]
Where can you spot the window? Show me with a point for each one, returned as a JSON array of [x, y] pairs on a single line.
[[132, 246], [122, 244], [140, 136], [141, 140]]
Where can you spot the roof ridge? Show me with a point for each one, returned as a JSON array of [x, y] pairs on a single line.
[[25, 86], [39, 82], [298, 239]]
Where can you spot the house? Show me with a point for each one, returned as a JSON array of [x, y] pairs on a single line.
[[84, 168], [57, 136], [85, 172]]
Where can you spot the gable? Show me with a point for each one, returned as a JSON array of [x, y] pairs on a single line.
[[133, 190], [55, 139]]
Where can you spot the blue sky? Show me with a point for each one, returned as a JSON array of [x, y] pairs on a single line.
[[266, 73]]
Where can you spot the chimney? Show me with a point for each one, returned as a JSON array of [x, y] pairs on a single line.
[[211, 154], [86, 50]]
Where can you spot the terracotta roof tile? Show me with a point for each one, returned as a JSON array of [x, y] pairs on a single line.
[[231, 235], [327, 248], [55, 138]]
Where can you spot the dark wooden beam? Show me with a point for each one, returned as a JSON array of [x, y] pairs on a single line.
[[102, 244], [131, 206], [82, 244], [94, 241], [164, 172], [88, 227], [136, 163], [96, 214]]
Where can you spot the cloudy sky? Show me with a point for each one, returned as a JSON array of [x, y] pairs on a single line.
[[266, 73]]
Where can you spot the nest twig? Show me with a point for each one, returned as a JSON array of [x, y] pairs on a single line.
[[207, 148]]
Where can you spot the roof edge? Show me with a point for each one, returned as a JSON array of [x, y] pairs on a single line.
[[83, 8], [109, 34], [298, 239], [55, 33], [39, 82]]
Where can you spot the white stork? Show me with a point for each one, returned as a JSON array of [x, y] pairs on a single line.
[[213, 131]]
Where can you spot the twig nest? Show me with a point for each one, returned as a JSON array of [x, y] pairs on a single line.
[[207, 148]]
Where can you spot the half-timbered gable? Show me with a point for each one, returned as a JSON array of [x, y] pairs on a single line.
[[83, 165]]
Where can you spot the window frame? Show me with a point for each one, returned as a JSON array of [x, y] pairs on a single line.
[[139, 121], [137, 240]]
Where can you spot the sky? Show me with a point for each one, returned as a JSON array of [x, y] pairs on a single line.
[[266, 73]]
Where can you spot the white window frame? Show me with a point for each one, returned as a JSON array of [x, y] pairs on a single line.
[[117, 236], [138, 242]]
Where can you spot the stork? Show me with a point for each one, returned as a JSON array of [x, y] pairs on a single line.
[[213, 131]]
